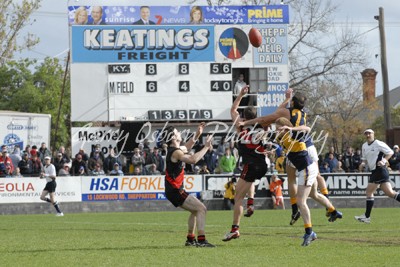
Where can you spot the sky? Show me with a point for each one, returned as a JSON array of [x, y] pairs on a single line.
[[51, 27]]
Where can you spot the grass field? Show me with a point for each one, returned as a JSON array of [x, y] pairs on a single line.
[[157, 239]]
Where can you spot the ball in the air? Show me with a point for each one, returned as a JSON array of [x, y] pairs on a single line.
[[255, 37]]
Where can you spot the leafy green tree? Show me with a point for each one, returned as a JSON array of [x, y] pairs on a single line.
[[13, 18], [379, 124], [37, 91]]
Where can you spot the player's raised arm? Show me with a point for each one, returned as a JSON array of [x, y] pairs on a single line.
[[234, 112], [193, 159], [301, 128], [268, 119], [288, 97], [189, 144]]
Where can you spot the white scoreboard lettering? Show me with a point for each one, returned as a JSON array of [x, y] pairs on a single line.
[[172, 69]]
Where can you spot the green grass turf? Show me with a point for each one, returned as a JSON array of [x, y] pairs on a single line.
[[157, 239]]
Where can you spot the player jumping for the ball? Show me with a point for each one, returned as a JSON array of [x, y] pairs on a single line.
[[252, 152], [306, 171], [174, 189]]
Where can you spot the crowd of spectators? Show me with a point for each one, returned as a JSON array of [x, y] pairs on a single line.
[[352, 161], [223, 159]]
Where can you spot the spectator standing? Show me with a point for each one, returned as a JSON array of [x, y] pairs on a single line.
[[34, 151], [275, 187], [137, 171], [331, 150], [78, 166], [16, 156], [24, 165], [65, 170], [394, 161], [332, 161], [116, 170], [35, 164], [58, 162], [325, 168], [110, 161], [348, 160], [84, 155], [101, 154], [339, 168], [229, 195], [227, 162], [43, 152], [155, 158], [211, 160], [98, 170], [94, 159], [152, 170], [221, 147], [138, 160], [240, 83], [64, 154], [357, 159], [204, 169], [9, 167], [28, 150]]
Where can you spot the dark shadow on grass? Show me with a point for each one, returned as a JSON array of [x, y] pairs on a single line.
[[138, 247]]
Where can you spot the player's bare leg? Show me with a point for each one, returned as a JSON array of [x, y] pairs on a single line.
[[302, 195], [292, 187], [250, 200], [321, 199], [242, 187], [198, 211]]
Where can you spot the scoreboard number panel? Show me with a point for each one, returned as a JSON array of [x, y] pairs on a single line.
[[151, 86], [183, 69], [220, 68], [194, 114], [184, 86], [221, 86], [151, 69], [166, 85], [181, 114], [167, 114], [206, 114], [154, 115]]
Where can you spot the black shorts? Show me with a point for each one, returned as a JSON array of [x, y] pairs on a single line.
[[252, 172], [50, 187], [175, 196], [379, 175]]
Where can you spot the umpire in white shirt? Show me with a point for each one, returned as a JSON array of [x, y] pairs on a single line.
[[376, 155], [49, 173]]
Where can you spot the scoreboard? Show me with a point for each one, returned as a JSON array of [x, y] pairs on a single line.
[[172, 69]]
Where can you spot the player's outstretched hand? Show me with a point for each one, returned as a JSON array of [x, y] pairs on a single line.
[[239, 124], [244, 90], [200, 129], [288, 93], [284, 127], [209, 140]]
